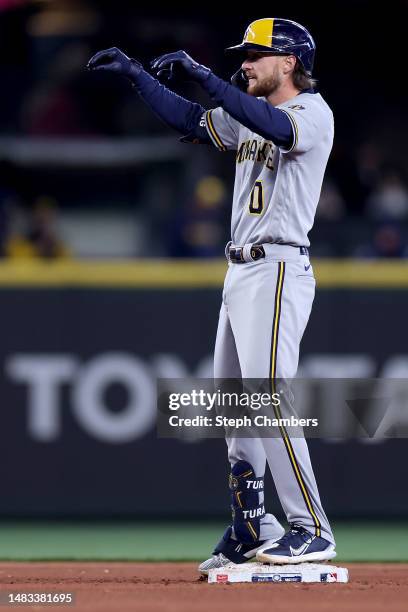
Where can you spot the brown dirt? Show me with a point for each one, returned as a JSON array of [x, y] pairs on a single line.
[[174, 587]]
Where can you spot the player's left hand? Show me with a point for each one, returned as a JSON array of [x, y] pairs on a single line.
[[173, 65], [114, 60]]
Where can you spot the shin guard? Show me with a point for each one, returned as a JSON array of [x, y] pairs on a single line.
[[246, 509]]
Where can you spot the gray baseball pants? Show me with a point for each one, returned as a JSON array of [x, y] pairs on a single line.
[[265, 308]]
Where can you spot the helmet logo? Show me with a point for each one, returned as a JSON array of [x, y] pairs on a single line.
[[260, 32], [249, 35]]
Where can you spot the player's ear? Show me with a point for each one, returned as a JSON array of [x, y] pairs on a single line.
[[289, 63]]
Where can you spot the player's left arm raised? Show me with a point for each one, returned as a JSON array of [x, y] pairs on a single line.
[[259, 116], [176, 111]]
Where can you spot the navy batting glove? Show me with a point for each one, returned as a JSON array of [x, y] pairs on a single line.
[[179, 64], [114, 60]]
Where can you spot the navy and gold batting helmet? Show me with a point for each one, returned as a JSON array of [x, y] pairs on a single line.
[[280, 37]]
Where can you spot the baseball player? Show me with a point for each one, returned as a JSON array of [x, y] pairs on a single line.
[[282, 132]]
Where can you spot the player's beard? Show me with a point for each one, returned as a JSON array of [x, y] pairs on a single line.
[[266, 86]]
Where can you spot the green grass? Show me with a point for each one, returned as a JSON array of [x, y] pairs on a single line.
[[174, 541]]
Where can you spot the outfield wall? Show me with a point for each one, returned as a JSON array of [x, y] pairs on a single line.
[[82, 345]]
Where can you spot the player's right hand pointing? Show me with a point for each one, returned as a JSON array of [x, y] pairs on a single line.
[[114, 60]]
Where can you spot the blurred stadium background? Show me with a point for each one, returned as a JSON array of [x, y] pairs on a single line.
[[111, 242]]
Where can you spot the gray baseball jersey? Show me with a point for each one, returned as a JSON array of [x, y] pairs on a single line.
[[276, 191]]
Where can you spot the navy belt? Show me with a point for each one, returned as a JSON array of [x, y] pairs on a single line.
[[236, 255]]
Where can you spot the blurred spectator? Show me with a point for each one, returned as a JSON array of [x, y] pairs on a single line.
[[388, 241], [343, 171], [332, 206], [52, 107], [369, 161], [9, 199], [389, 200], [40, 238], [59, 34], [199, 230], [6, 5]]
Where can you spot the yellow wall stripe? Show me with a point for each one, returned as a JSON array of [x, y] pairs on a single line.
[[361, 274], [286, 439], [183, 273], [213, 132], [149, 273]]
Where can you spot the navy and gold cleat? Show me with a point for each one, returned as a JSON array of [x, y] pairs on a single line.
[[229, 550], [297, 546]]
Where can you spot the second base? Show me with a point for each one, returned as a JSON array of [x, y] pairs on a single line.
[[259, 572]]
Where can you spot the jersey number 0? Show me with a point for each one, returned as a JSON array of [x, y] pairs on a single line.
[[256, 201]]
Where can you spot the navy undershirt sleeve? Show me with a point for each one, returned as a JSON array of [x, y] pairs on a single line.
[[175, 111], [258, 115]]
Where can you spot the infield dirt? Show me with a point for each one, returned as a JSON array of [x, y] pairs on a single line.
[[175, 587]]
